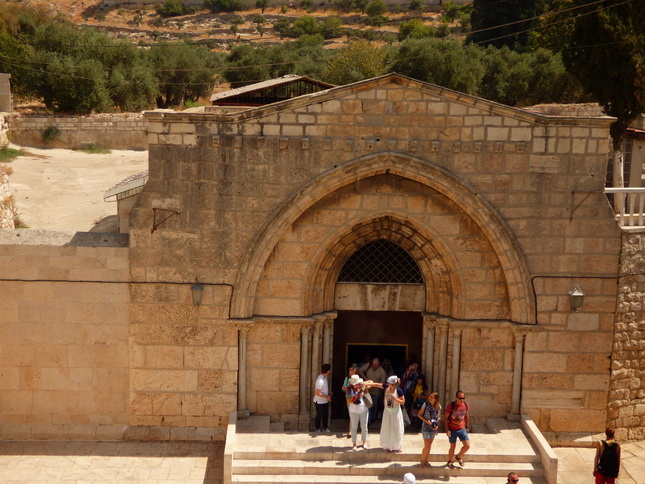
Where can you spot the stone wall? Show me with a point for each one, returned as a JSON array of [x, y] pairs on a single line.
[[627, 397], [6, 104], [64, 353], [112, 131], [251, 3]]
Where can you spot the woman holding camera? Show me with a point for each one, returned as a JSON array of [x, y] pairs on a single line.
[[429, 414]]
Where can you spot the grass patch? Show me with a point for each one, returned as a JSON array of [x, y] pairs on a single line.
[[93, 149], [8, 154]]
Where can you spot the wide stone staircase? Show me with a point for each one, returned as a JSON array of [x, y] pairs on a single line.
[[261, 452]]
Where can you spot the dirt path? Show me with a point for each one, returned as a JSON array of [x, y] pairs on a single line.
[[58, 189]]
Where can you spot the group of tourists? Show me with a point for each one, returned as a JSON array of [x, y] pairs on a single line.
[[363, 391]]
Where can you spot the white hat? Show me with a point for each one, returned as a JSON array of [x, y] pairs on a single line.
[[394, 380], [409, 478], [355, 380]]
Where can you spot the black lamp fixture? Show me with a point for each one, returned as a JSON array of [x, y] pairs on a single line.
[[197, 290], [577, 297]]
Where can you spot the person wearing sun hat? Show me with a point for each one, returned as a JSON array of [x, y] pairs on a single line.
[[358, 410], [392, 425]]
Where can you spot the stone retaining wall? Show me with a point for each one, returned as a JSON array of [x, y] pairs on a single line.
[[63, 336], [126, 131], [627, 396]]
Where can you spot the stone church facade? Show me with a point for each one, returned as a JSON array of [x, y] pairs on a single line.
[[501, 210]]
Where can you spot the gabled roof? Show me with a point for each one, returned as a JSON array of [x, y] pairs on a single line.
[[267, 92]]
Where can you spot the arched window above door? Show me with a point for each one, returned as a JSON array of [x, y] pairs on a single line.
[[381, 261]]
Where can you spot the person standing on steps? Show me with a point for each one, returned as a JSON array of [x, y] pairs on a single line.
[[457, 420], [353, 370], [429, 414], [512, 478], [392, 425], [322, 397], [374, 372], [606, 463]]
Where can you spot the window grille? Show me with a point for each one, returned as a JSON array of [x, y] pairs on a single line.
[[381, 261]]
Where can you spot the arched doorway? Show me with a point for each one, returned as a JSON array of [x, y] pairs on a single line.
[[379, 300]]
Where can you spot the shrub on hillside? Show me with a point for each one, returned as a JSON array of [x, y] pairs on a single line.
[[224, 5]]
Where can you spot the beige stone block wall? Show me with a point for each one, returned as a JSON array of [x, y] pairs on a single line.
[[231, 177], [125, 131], [63, 342], [183, 361], [6, 104]]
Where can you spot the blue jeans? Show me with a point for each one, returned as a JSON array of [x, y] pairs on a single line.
[[354, 419], [462, 434]]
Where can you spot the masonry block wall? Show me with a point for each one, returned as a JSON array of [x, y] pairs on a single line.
[[627, 397], [270, 202], [64, 369], [125, 131], [6, 103]]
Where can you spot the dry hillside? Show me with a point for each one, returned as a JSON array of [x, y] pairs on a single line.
[[142, 23]]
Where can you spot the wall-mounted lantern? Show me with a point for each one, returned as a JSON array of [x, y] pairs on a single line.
[[197, 290], [577, 298]]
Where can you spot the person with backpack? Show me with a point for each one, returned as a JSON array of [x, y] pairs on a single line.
[[457, 427], [606, 463]]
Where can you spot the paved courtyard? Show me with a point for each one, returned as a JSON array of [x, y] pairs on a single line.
[[201, 463]]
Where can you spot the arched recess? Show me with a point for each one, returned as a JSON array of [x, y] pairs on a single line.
[[521, 298], [440, 271]]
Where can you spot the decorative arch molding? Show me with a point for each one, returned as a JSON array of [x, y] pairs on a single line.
[[494, 228], [440, 271]]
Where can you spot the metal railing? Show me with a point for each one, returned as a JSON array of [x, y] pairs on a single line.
[[629, 204]]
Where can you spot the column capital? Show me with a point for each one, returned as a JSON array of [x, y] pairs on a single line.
[[429, 321], [243, 327], [520, 332]]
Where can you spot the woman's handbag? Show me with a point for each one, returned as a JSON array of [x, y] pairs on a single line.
[[367, 398]]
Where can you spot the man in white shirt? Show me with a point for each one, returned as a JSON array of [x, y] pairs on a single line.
[[322, 397], [376, 373]]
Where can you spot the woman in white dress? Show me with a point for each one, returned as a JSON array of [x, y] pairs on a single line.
[[392, 424]]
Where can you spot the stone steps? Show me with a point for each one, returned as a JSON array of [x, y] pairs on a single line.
[[291, 457]]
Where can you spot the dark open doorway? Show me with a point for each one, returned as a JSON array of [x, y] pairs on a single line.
[[391, 335]]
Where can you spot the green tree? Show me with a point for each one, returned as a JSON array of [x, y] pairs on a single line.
[[247, 64], [603, 46], [415, 5], [415, 29], [443, 62], [171, 8], [504, 23], [224, 5], [359, 60], [262, 4], [376, 8], [330, 27], [305, 25], [282, 27], [185, 72]]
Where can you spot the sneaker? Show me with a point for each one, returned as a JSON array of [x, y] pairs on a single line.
[[354, 449], [327, 431], [365, 446], [318, 431]]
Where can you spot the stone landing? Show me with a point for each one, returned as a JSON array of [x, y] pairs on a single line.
[[267, 455]]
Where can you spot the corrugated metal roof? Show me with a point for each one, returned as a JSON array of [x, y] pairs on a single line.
[[265, 84], [132, 183]]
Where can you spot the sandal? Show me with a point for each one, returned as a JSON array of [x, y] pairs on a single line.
[[425, 464], [450, 465], [355, 449], [461, 461], [364, 446]]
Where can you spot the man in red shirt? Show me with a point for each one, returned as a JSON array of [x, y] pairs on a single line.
[[457, 427]]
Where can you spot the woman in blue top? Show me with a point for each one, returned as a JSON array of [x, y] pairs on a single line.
[[429, 413]]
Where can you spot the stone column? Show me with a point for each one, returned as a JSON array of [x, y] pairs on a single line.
[[327, 335], [316, 352], [429, 323], [303, 417], [520, 336], [456, 358], [242, 329], [443, 356]]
